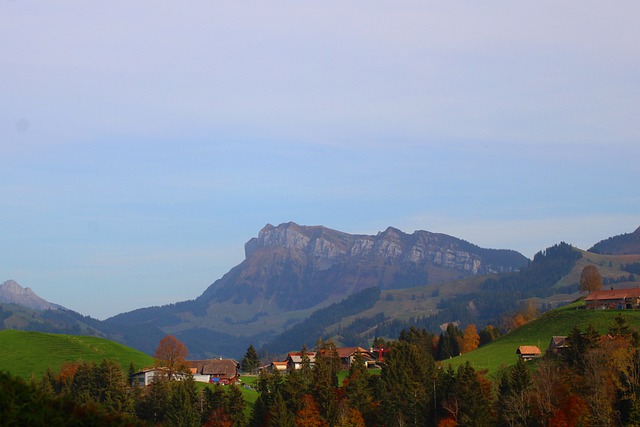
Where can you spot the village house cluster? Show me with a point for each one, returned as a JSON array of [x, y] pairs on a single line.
[[372, 359], [227, 371], [220, 371]]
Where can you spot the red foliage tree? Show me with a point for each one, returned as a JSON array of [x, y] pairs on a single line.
[[218, 418], [447, 422], [171, 355], [309, 415]]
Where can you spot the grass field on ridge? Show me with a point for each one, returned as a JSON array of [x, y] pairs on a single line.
[[24, 352], [502, 351]]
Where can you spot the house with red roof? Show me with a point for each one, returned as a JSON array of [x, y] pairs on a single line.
[[619, 299], [348, 354]]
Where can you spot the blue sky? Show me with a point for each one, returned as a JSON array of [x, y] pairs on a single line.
[[143, 143]]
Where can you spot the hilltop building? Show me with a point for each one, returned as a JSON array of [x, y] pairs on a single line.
[[620, 299]]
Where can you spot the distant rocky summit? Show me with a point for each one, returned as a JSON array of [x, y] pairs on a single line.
[[301, 266], [290, 271], [623, 244], [12, 293]]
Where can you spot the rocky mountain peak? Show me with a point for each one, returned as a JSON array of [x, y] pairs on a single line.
[[12, 293], [300, 266], [317, 241], [12, 287]]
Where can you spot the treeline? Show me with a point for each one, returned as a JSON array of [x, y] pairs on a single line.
[[83, 393], [595, 380], [538, 278], [27, 404], [633, 268], [410, 390]]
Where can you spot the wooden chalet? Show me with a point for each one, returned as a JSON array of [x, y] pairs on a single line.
[[222, 371], [528, 352], [557, 345], [277, 366], [294, 360], [348, 354], [620, 299]]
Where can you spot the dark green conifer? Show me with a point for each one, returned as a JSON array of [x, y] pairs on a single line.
[[251, 361]]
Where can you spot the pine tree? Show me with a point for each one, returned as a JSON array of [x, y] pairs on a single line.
[[111, 387], [619, 327], [306, 373], [449, 344], [356, 385], [214, 401], [325, 374], [576, 348], [181, 411], [293, 389], [251, 360], [259, 412], [236, 405], [476, 410], [514, 397], [154, 401], [279, 415], [406, 385]]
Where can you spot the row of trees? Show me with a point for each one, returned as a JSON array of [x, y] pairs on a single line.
[[174, 403], [595, 381], [410, 390], [450, 343]]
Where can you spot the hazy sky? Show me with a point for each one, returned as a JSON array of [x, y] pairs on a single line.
[[143, 143]]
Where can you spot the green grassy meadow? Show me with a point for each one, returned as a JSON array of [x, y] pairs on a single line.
[[23, 353], [502, 351]]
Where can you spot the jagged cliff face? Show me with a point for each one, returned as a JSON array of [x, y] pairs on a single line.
[[325, 248], [299, 266]]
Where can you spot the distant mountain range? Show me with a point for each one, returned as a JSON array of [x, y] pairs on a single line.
[[291, 272]]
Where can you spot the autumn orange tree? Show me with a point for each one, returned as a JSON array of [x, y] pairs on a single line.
[[171, 355], [590, 279], [309, 415], [470, 339]]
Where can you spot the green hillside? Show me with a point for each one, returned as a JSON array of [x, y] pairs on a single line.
[[502, 351], [23, 353]]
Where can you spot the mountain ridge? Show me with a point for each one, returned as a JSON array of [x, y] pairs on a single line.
[[309, 259], [622, 244]]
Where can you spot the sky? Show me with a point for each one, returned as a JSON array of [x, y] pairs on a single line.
[[142, 144]]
